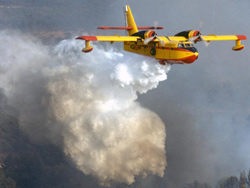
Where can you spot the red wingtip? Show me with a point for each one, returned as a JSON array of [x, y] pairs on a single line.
[[241, 37]]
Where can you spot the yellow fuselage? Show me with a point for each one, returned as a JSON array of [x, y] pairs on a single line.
[[171, 52]]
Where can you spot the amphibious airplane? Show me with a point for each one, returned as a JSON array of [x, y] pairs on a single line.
[[178, 49]]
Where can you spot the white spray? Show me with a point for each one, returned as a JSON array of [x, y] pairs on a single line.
[[86, 104]]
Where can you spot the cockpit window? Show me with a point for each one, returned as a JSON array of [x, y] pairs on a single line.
[[189, 45], [185, 45], [180, 45]]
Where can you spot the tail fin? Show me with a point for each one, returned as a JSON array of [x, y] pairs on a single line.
[[130, 22]]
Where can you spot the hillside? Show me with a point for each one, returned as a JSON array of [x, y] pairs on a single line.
[[24, 164]]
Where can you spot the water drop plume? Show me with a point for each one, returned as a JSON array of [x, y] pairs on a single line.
[[86, 104]]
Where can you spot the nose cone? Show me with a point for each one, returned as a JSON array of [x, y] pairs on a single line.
[[191, 58]]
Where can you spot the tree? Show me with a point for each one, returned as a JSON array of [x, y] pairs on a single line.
[[243, 179], [231, 182], [196, 184]]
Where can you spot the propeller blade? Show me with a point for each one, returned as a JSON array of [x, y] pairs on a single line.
[[193, 38], [205, 42], [155, 24], [148, 40], [200, 25], [161, 41]]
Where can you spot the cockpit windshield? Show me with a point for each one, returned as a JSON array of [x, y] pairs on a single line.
[[185, 45]]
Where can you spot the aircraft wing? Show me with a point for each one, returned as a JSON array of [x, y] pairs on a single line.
[[224, 37], [207, 38], [115, 38]]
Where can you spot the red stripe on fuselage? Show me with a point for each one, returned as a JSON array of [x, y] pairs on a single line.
[[165, 48], [176, 49]]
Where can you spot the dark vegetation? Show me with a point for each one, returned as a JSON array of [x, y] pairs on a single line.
[[230, 182], [27, 165]]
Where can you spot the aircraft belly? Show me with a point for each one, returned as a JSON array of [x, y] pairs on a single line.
[[173, 55]]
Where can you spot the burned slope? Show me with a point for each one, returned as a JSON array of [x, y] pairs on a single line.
[[24, 164]]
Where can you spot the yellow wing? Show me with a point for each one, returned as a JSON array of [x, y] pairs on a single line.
[[238, 46], [166, 39], [224, 37], [115, 38], [111, 39], [209, 38]]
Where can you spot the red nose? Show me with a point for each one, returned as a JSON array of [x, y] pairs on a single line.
[[191, 58]]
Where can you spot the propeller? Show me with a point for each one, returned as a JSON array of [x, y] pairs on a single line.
[[161, 41], [193, 39], [148, 40], [206, 43]]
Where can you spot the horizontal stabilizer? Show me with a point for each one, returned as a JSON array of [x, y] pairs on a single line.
[[128, 28], [150, 27]]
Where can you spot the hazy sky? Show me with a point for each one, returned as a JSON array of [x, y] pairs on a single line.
[[206, 105]]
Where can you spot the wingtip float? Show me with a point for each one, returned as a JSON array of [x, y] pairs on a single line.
[[178, 49]]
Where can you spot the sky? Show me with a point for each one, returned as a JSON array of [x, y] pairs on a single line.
[[205, 106]]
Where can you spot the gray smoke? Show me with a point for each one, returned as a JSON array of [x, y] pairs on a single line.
[[86, 104]]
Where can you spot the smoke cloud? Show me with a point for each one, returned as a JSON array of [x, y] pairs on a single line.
[[86, 104]]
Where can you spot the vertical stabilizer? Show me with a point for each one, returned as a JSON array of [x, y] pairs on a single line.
[[130, 21]]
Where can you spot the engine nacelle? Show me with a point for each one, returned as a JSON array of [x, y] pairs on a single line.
[[190, 34], [145, 34]]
